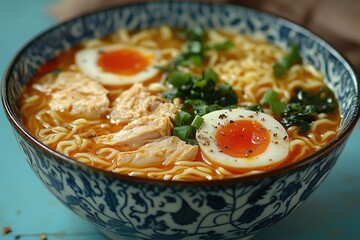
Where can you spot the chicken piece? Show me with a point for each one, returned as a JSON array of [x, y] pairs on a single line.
[[138, 132], [74, 93], [136, 102], [162, 152], [133, 104], [168, 109]]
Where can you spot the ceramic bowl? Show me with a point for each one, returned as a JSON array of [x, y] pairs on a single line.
[[126, 207]]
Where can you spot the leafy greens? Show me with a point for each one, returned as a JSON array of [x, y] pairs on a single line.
[[201, 95], [302, 109]]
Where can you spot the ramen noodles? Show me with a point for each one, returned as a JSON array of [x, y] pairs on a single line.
[[181, 104]]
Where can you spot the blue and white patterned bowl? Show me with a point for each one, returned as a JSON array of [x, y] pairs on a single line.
[[133, 208]]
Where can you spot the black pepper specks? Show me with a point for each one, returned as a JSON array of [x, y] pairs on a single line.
[[204, 140], [222, 116]]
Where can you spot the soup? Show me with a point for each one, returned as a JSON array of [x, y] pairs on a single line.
[[179, 104]]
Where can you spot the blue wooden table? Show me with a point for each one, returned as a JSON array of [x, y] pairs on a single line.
[[332, 212]]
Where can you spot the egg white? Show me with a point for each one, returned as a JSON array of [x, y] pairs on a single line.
[[276, 151], [86, 60]]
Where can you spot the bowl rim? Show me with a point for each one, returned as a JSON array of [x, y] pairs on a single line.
[[312, 158]]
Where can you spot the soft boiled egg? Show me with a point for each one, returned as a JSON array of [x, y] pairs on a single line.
[[242, 140], [117, 64]]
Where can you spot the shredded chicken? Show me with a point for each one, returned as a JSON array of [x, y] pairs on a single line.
[[146, 139], [168, 109], [138, 132], [74, 93], [136, 102], [162, 152]]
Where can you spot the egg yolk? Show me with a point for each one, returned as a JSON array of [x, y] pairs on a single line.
[[123, 61], [242, 138]]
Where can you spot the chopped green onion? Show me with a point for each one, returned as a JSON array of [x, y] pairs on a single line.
[[269, 96], [225, 88], [171, 94], [277, 107], [214, 107], [183, 132], [195, 60], [200, 82], [182, 118], [223, 46], [192, 34], [196, 123], [192, 141], [189, 60], [210, 74], [201, 109], [178, 79], [192, 102], [282, 66], [193, 47], [200, 94]]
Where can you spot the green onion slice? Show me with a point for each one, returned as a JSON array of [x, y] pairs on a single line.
[[282, 66], [182, 118], [223, 46], [269, 96], [196, 123], [183, 132]]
